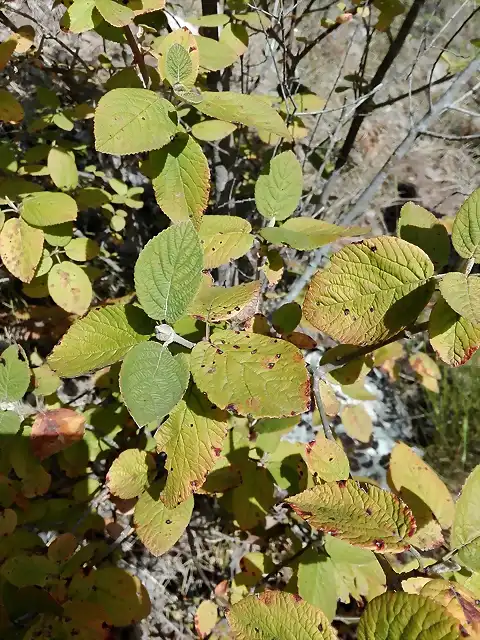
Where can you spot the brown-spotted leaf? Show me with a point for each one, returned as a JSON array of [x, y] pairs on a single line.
[[216, 304], [21, 248], [455, 339], [326, 459], [53, 431]]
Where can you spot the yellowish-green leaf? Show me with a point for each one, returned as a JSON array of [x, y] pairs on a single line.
[[21, 248], [214, 55], [370, 291], [206, 618], [315, 580], [421, 228], [157, 526], [462, 294], [9, 423], [404, 616], [45, 380], [279, 188], [152, 381], [162, 46], [10, 108], [215, 304], [102, 338], [62, 168], [80, 17], [236, 37], [14, 374], [303, 103], [466, 228], [59, 235], [255, 19], [168, 272], [132, 121], [275, 614], [82, 249], [330, 402], [326, 459], [181, 179], [306, 234], [252, 374], [372, 518], [224, 238], [178, 64], [249, 110], [115, 13], [122, 596], [212, 130], [214, 20], [466, 524], [192, 439], [287, 317], [409, 472], [48, 208], [70, 287], [357, 422], [454, 338], [131, 473]]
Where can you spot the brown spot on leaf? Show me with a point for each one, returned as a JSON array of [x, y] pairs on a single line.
[[380, 544]]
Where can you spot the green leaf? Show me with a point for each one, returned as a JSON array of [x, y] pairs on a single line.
[[21, 248], [59, 235], [131, 473], [454, 338], [48, 208], [370, 291], [306, 234], [287, 317], [25, 570], [326, 459], [224, 238], [466, 524], [462, 294], [404, 616], [102, 338], [408, 472], [121, 596], [70, 287], [212, 130], [215, 304], [214, 55], [178, 64], [357, 423], [192, 439], [421, 228], [81, 17], [14, 374], [466, 228], [115, 13], [62, 168], [274, 614], [169, 67], [251, 111], [152, 381], [252, 374], [279, 188], [169, 271], [254, 19], [157, 526], [132, 121], [181, 179], [82, 249], [372, 519], [11, 110], [214, 20], [10, 422], [45, 380], [315, 578]]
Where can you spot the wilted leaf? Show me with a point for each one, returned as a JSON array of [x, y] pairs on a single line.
[[409, 472], [212, 130], [131, 473], [252, 374], [280, 615], [21, 248], [215, 304], [192, 439], [326, 459], [53, 431], [372, 518], [62, 168], [404, 616], [370, 291], [11, 110], [132, 121], [466, 523], [279, 188], [224, 238], [70, 287], [109, 332], [306, 234], [462, 294], [466, 228], [421, 228], [14, 374], [157, 526], [152, 381], [168, 272], [48, 208], [249, 110], [357, 422], [181, 179], [315, 578], [454, 338], [206, 618]]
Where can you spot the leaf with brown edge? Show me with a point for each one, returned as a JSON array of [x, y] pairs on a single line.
[[326, 459], [370, 518], [280, 615], [251, 374], [407, 471], [455, 339], [370, 291], [192, 439], [466, 526], [53, 431], [458, 601], [216, 304]]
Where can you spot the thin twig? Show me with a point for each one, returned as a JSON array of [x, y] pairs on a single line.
[[137, 56], [327, 429]]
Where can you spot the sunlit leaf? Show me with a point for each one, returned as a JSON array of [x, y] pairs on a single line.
[[14, 374], [466, 523], [279, 188], [115, 13], [454, 338], [315, 580], [212, 130], [326, 459], [131, 473], [70, 287], [21, 248], [169, 62], [82, 249], [214, 54], [215, 304], [466, 228], [420, 227], [357, 422], [48, 208], [62, 168], [206, 617], [462, 294], [224, 238]]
